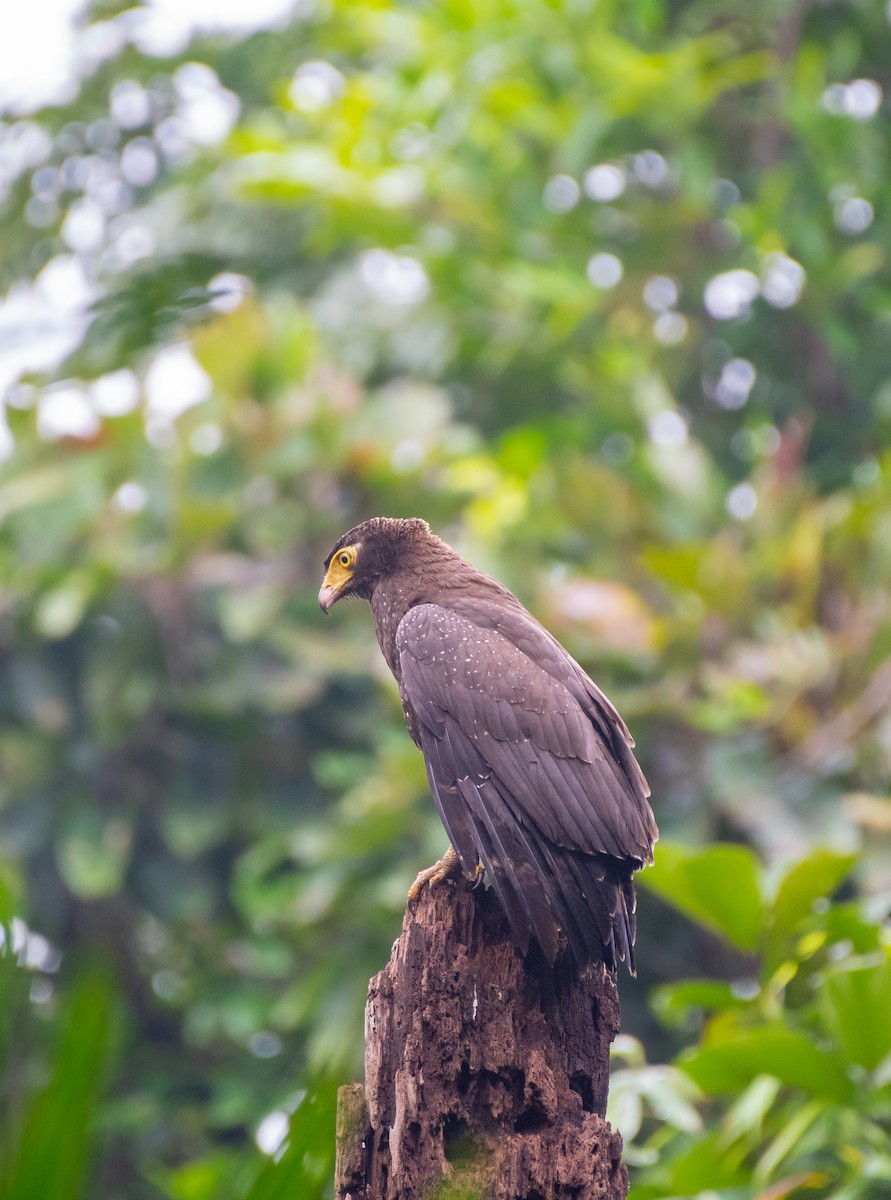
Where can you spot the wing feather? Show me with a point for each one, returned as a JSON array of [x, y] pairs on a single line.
[[532, 773]]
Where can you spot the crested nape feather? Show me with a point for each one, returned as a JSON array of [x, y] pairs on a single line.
[[530, 766]]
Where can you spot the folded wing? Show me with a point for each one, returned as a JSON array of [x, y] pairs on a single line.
[[532, 774]]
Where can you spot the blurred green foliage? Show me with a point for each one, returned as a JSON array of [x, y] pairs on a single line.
[[788, 1089], [600, 290]]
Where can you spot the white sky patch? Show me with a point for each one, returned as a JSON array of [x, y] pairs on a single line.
[[226, 16], [130, 104], [116, 394], [206, 110], [22, 145], [64, 284], [7, 442], [44, 54], [41, 323], [164, 28], [272, 1131], [393, 278], [175, 382], [37, 53], [83, 229], [64, 410], [139, 162]]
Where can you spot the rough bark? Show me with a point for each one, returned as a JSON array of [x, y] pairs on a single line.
[[485, 1075]]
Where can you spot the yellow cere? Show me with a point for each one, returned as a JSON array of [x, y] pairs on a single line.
[[341, 568]]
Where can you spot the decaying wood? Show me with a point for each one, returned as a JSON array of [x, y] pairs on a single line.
[[485, 1076]]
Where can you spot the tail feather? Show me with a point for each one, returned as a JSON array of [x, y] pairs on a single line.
[[545, 888]]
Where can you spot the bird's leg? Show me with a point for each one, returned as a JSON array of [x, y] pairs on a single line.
[[447, 867]]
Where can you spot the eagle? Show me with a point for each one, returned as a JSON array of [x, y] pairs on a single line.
[[530, 765]]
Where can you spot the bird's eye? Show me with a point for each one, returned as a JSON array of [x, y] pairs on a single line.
[[345, 558]]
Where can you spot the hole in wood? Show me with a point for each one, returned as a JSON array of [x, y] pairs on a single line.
[[458, 1146], [582, 1085], [531, 1120]]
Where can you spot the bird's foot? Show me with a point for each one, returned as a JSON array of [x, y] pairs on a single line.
[[447, 868]]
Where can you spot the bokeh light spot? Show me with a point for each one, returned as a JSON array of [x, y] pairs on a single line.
[[604, 182], [735, 384], [667, 429], [561, 194], [605, 270], [730, 294], [742, 501]]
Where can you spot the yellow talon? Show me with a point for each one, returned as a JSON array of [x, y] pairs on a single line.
[[448, 866]]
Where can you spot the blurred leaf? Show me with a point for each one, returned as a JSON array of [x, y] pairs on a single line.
[[304, 1167], [50, 1145], [747, 1114], [93, 854], [677, 1003], [717, 886], [809, 880], [204, 1180], [857, 1002], [59, 611], [8, 893], [705, 1165], [733, 1063], [785, 1141]]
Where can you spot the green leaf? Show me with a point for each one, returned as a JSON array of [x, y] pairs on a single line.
[[717, 886], [731, 1065], [304, 1167], [678, 1005], [809, 880], [784, 1143], [707, 1165], [59, 611], [93, 853], [51, 1155], [857, 1004], [7, 897], [748, 1112]]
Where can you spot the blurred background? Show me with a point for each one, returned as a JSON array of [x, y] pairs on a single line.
[[601, 290]]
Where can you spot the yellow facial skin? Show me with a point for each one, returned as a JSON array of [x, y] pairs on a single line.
[[338, 576]]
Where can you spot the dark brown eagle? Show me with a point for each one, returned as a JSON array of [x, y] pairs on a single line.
[[529, 764]]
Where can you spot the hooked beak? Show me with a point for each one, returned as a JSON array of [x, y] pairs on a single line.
[[338, 577], [327, 596]]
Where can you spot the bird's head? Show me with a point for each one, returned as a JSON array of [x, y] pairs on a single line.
[[372, 551]]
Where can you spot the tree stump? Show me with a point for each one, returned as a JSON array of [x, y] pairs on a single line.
[[486, 1075]]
